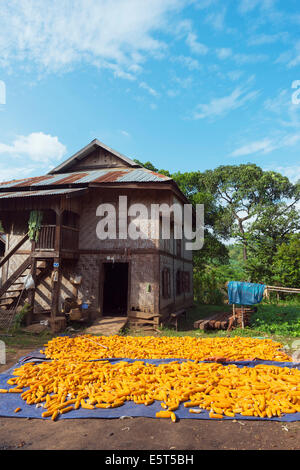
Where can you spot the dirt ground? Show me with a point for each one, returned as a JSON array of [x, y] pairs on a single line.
[[143, 433]]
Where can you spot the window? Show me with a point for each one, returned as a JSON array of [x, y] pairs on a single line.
[[178, 248], [186, 281], [183, 282], [166, 287], [178, 282]]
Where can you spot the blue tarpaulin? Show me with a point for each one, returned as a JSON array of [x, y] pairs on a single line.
[[245, 293], [10, 401]]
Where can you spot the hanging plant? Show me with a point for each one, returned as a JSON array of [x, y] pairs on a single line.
[[34, 225]]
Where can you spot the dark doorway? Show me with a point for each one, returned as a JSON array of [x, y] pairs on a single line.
[[115, 288]]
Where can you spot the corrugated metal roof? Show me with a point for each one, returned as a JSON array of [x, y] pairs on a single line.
[[141, 176], [108, 175], [45, 192]]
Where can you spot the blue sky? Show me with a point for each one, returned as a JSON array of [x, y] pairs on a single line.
[[186, 84]]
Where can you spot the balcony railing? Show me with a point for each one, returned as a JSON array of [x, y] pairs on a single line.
[[46, 241], [47, 238]]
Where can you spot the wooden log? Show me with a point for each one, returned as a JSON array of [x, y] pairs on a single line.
[[201, 324]]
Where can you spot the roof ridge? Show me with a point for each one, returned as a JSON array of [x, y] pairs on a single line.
[[85, 151]]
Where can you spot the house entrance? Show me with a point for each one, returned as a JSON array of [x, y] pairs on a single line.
[[115, 289]]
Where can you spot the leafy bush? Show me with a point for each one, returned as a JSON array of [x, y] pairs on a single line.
[[207, 289], [20, 317], [282, 321]]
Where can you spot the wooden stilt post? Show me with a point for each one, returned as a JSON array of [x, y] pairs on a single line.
[[243, 325], [56, 273], [31, 294], [56, 281]]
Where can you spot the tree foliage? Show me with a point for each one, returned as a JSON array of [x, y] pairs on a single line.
[[286, 262], [257, 211], [250, 198]]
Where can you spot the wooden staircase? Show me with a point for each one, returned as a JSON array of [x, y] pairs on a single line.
[[13, 288]]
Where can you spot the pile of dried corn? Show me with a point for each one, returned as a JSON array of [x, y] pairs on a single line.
[[61, 386], [88, 347]]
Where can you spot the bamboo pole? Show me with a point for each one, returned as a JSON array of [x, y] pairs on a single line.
[[281, 289]]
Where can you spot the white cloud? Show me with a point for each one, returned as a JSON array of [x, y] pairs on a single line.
[[9, 173], [220, 106], [172, 93], [291, 58], [287, 113], [224, 52], [202, 4], [217, 19], [196, 46], [242, 59], [245, 6], [285, 127], [125, 133], [235, 74], [114, 34], [267, 145], [37, 147], [184, 82], [263, 146], [262, 39], [292, 172], [295, 59], [150, 90], [189, 62]]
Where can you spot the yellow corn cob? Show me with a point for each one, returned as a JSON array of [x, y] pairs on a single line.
[[226, 390], [215, 415], [66, 410], [86, 405], [54, 415], [164, 414]]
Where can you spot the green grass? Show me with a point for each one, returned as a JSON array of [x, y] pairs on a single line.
[[20, 339], [279, 322]]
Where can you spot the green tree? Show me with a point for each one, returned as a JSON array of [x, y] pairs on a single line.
[[286, 263], [269, 232], [247, 194]]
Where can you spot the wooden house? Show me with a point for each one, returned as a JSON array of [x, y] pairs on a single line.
[[142, 278]]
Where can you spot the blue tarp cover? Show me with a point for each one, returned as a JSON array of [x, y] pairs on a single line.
[[245, 293], [10, 401]]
